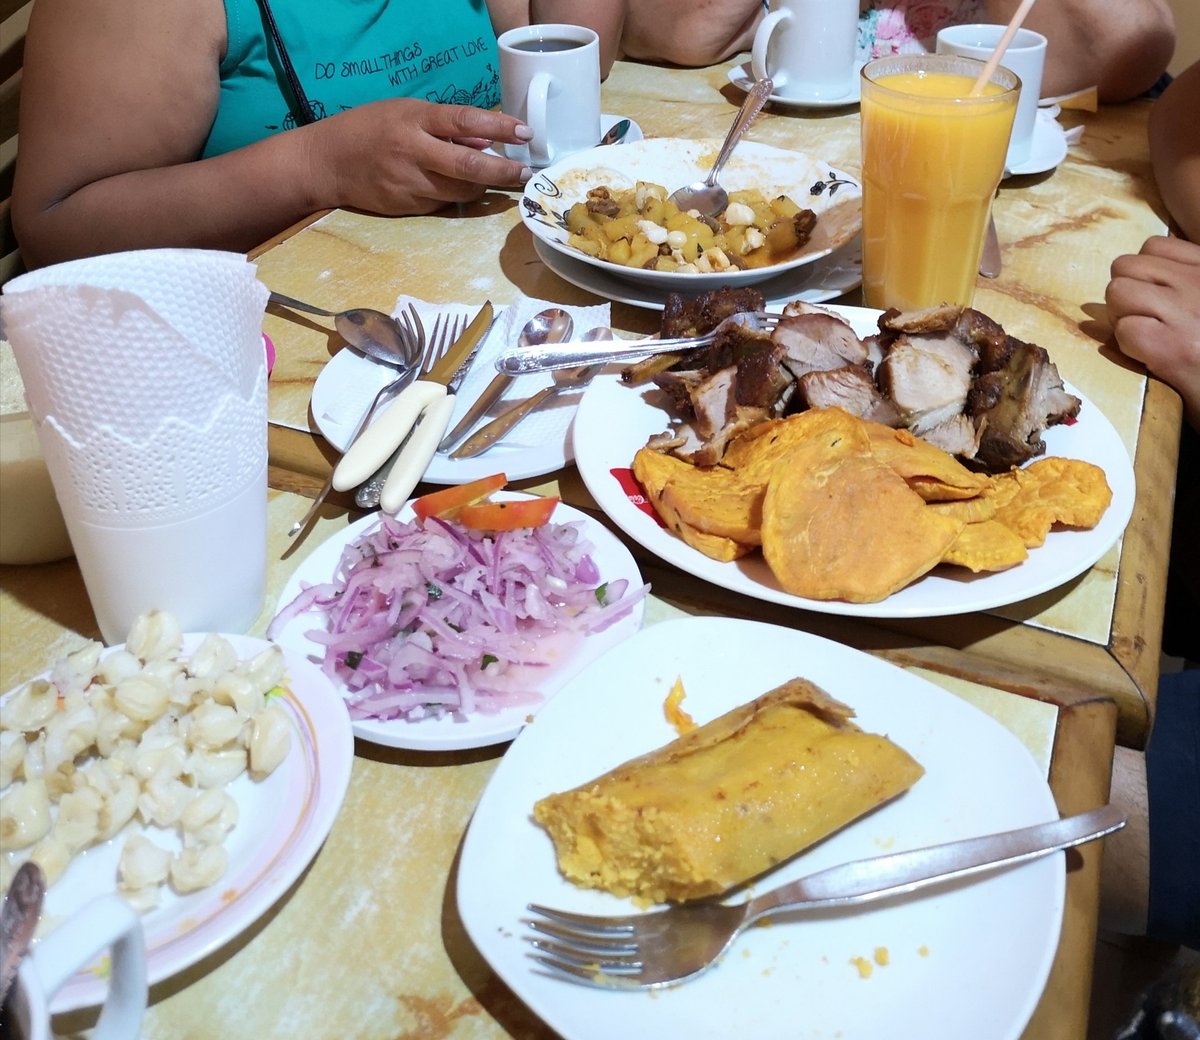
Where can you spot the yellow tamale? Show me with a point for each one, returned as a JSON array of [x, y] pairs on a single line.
[[726, 801]]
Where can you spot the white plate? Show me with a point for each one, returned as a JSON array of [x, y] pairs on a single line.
[[825, 279], [967, 960], [742, 77], [541, 444], [672, 162], [1048, 148], [444, 734], [613, 421], [282, 821]]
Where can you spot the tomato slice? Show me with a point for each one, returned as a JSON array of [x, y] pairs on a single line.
[[447, 502], [507, 516]]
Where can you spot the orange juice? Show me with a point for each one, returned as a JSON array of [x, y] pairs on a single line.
[[932, 159]]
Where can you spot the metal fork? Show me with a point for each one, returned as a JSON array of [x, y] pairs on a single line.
[[656, 949], [440, 338], [412, 332], [516, 361]]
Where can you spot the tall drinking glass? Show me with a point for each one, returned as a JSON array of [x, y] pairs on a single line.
[[933, 157]]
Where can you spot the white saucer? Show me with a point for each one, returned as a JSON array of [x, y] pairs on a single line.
[[742, 78], [1049, 147], [824, 279]]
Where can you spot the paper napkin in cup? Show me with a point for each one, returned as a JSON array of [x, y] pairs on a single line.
[[345, 389], [146, 379]]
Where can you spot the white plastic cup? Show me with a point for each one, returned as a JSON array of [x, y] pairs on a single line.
[[550, 80], [807, 48], [210, 570], [107, 923], [1025, 55]]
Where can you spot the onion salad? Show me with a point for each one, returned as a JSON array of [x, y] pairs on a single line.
[[427, 617]]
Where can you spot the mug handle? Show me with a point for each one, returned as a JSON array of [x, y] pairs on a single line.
[[762, 40], [105, 922], [536, 104]]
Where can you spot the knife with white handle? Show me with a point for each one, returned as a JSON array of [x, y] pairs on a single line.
[[426, 403]]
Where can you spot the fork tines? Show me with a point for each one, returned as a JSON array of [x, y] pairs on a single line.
[[586, 949]]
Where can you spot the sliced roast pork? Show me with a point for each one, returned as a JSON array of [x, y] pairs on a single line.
[[818, 343], [927, 377], [850, 388], [1013, 405]]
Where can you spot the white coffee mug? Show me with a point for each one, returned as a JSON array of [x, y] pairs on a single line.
[[550, 79], [1025, 55], [807, 47], [106, 923]]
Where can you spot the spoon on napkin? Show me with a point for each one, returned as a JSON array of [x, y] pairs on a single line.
[[553, 325], [707, 196], [564, 380]]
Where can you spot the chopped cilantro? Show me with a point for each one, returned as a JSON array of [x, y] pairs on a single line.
[[433, 591], [487, 659], [601, 593], [353, 658]]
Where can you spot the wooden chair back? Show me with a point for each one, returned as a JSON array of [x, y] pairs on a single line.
[[14, 19]]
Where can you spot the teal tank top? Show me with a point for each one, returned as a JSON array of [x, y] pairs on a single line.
[[346, 53]]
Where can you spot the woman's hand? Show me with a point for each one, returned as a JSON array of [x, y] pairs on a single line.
[[404, 156], [1154, 307]]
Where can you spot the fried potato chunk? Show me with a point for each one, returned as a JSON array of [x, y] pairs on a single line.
[[986, 546], [1054, 491], [824, 536]]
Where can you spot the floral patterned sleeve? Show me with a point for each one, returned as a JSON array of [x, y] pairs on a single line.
[[909, 26]]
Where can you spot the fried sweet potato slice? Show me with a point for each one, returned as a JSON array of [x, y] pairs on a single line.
[[653, 471], [932, 473], [986, 546], [1054, 491], [824, 432], [825, 536]]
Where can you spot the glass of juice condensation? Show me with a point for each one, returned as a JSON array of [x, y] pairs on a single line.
[[933, 157]]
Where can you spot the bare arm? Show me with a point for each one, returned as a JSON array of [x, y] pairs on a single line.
[[118, 97], [1175, 150], [689, 32], [1122, 47]]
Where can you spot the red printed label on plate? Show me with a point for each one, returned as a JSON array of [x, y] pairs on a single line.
[[633, 492]]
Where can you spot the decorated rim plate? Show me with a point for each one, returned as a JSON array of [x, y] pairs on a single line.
[[614, 420], [445, 734], [282, 821], [824, 279], [968, 959], [742, 77], [832, 194]]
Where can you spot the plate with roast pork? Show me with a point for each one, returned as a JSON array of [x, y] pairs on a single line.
[[852, 461]]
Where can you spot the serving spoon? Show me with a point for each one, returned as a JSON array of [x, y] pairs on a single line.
[[553, 325], [376, 334], [707, 196]]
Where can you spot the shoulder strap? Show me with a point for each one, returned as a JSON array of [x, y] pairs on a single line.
[[303, 110]]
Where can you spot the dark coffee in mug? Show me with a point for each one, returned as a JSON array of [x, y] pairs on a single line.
[[548, 46]]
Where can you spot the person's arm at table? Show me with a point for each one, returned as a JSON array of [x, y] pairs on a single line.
[[1121, 47], [118, 97], [1175, 150]]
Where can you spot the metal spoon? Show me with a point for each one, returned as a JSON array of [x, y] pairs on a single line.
[[18, 919], [552, 325], [707, 196], [564, 379], [376, 334]]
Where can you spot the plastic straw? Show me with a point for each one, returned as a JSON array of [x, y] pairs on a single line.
[[1011, 31]]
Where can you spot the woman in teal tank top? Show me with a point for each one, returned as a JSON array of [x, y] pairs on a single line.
[[348, 54]]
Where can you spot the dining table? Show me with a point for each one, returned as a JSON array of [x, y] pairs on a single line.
[[368, 941]]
